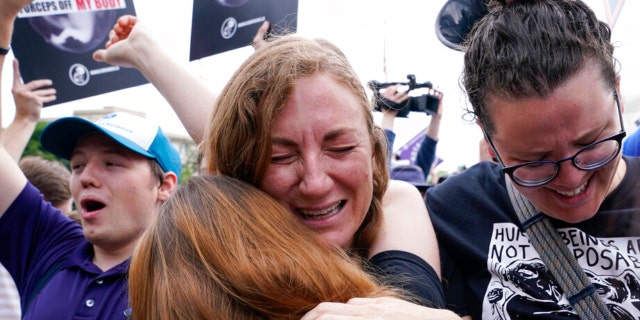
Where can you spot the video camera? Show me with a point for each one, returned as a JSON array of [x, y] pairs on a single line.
[[424, 103]]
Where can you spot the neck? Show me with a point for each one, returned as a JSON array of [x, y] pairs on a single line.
[[106, 259]]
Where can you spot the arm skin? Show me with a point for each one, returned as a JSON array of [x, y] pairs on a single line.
[[407, 226], [131, 45], [426, 155], [13, 180], [389, 115], [29, 99], [377, 308], [434, 125]]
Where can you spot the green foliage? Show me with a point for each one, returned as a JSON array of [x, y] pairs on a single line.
[[34, 148], [190, 165]]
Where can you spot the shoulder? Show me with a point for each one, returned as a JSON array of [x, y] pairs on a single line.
[[472, 195], [406, 225], [412, 273], [399, 189], [402, 201]]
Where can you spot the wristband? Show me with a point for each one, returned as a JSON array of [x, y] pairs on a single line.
[[3, 51]]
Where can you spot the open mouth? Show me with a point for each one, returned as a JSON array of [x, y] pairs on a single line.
[[92, 205], [573, 192], [321, 214]]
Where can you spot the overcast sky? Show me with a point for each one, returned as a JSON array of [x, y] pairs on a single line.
[[359, 28]]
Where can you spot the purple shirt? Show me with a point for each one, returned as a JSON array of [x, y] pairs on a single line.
[[34, 236]]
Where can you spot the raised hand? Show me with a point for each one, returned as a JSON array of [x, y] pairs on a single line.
[[30, 97], [126, 42], [261, 35]]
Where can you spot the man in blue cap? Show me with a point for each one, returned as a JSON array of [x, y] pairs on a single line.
[[123, 168]]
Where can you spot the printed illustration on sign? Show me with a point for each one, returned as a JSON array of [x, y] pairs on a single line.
[[229, 27], [79, 74], [521, 286], [237, 22], [56, 39], [76, 26]]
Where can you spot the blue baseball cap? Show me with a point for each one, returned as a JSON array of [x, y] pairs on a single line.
[[137, 134]]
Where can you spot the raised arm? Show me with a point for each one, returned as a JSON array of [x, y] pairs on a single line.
[[434, 125], [10, 174], [394, 99], [427, 152], [132, 45], [29, 99]]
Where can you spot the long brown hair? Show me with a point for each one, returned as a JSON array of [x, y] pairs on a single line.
[[238, 138], [223, 249]]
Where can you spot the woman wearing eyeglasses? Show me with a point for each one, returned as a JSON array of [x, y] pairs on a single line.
[[541, 78]]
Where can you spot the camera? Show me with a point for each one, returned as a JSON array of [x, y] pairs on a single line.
[[423, 103]]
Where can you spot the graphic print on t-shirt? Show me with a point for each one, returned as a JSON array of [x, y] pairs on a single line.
[[521, 286]]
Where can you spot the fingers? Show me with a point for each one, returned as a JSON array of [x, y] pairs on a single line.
[[37, 84], [119, 33], [392, 93], [36, 89], [261, 35], [128, 20], [98, 55], [46, 95], [332, 310], [121, 29], [17, 77]]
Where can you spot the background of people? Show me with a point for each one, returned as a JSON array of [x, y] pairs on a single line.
[[411, 47], [192, 131]]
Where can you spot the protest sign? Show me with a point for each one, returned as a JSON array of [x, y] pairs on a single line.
[[223, 25], [55, 40]]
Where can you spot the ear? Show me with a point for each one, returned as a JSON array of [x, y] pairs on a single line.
[[169, 184], [490, 150]]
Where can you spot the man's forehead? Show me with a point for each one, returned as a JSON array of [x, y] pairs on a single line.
[[99, 141]]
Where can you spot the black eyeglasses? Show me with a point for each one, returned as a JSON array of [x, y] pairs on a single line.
[[594, 156]]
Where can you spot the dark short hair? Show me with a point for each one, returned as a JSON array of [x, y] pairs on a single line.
[[528, 49]]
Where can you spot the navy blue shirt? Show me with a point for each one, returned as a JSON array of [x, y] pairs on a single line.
[[410, 273], [490, 270], [35, 237]]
